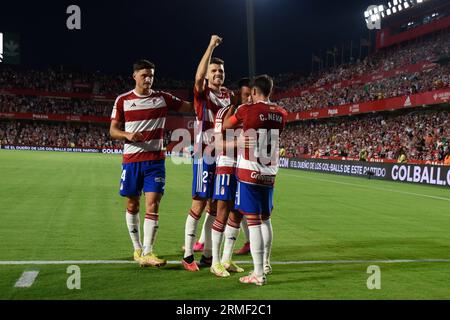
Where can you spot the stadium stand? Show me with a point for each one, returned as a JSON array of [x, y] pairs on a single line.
[[423, 134], [398, 71]]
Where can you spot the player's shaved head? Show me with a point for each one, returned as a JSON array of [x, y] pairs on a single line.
[[143, 64], [263, 83]]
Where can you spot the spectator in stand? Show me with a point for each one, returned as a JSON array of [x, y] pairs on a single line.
[[447, 158], [402, 156], [363, 155]]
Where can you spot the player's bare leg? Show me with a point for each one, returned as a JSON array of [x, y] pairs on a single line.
[[257, 250], [231, 234], [190, 230], [133, 224], [149, 258]]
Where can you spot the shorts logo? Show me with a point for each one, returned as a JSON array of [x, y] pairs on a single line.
[[160, 180], [222, 190], [121, 186]]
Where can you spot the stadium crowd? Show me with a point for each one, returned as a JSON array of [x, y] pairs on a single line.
[[433, 79], [61, 134], [45, 105], [52, 80], [384, 60], [27, 133], [423, 135]]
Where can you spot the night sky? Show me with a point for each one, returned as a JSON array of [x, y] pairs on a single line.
[[174, 33]]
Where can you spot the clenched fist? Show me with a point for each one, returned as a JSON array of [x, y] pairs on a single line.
[[215, 41]]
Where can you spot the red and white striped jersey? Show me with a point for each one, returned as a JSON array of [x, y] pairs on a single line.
[[145, 114], [255, 165], [206, 104], [225, 162]]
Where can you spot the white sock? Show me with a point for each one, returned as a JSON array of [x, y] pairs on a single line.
[[231, 235], [216, 243], [202, 235], [257, 249], [267, 233], [150, 230], [244, 227], [207, 249], [133, 229], [190, 231]]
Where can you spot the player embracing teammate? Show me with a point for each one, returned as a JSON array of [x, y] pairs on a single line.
[[257, 167], [209, 97], [220, 184]]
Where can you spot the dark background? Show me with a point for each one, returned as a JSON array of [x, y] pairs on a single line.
[[174, 33]]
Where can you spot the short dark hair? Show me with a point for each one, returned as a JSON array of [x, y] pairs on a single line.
[[264, 83], [215, 60], [143, 64], [244, 82]]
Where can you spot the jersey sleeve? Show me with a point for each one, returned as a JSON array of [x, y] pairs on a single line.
[[241, 113], [117, 111], [173, 103], [199, 101]]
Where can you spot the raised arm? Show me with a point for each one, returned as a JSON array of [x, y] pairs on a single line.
[[202, 68]]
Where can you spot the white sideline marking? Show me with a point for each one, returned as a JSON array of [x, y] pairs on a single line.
[[299, 262], [26, 280], [371, 187]]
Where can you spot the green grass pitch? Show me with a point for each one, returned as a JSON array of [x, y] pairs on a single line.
[[63, 206]]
